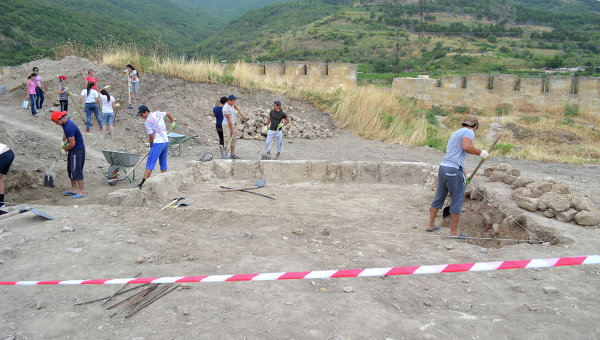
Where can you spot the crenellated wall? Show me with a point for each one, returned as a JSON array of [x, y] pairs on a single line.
[[479, 91], [328, 76]]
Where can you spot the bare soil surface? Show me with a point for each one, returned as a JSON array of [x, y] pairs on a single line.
[[343, 226]]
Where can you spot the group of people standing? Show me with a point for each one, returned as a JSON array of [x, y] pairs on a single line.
[[224, 112], [72, 139], [452, 177], [100, 103]]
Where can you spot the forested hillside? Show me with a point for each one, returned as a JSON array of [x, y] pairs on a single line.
[[451, 35], [28, 28], [428, 36], [223, 11]]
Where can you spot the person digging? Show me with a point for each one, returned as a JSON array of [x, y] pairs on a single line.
[[274, 125], [72, 142], [159, 141], [451, 175]]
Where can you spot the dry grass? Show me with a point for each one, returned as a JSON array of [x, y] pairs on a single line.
[[373, 113], [554, 138], [368, 112]]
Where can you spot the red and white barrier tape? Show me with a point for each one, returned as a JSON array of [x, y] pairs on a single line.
[[327, 274]]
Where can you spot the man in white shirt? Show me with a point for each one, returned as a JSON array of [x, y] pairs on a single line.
[[229, 124]]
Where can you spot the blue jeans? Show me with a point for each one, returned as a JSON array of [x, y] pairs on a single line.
[[452, 181], [89, 107], [32, 98], [40, 98]]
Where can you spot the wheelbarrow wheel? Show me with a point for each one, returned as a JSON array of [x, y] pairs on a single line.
[[111, 173]]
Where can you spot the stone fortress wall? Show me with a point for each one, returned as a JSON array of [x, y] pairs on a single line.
[[491, 91], [322, 75]]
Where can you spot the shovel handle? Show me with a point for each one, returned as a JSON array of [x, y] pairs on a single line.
[[12, 213], [240, 189], [55, 160], [483, 160]]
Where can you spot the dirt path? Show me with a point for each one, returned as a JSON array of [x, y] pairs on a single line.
[[367, 225]]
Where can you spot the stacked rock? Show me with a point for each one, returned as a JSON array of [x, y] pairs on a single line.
[[251, 127], [553, 199]]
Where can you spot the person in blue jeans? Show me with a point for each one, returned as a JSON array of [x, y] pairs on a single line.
[[31, 92], [451, 175], [92, 101], [40, 89]]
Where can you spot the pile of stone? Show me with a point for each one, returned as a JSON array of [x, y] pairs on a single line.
[[553, 199], [251, 127]]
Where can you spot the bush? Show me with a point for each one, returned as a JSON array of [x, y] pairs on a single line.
[[530, 119], [504, 148], [438, 111], [226, 79], [572, 110], [462, 109], [437, 143], [503, 109]]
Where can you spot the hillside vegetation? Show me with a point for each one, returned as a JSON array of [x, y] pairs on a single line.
[[453, 37], [30, 28]]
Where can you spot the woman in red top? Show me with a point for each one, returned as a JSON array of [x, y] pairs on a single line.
[[91, 79]]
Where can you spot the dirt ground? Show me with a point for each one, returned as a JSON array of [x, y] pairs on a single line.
[[344, 225]]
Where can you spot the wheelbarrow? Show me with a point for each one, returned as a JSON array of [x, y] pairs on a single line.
[[175, 141], [118, 162]]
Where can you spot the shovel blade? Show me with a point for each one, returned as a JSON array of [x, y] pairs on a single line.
[[49, 180], [260, 183], [41, 213], [266, 157]]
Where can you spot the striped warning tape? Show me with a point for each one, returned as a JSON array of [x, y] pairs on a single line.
[[327, 274]]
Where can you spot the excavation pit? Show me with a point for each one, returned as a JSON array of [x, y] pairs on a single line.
[[377, 199]]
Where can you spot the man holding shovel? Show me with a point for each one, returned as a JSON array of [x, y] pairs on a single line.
[[159, 141], [451, 175], [274, 130], [73, 144], [229, 123]]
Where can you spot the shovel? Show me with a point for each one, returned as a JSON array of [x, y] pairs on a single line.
[[446, 211], [128, 171], [133, 168], [26, 209], [226, 154], [259, 184], [49, 180], [250, 192], [175, 200]]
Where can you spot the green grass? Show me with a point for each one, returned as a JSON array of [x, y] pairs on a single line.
[[504, 148]]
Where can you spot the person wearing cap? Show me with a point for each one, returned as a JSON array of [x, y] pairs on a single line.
[[275, 129], [63, 93], [39, 89], [229, 123], [72, 142], [159, 141], [451, 175], [7, 156]]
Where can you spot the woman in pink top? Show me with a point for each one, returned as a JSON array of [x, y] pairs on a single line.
[[91, 79], [31, 86]]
